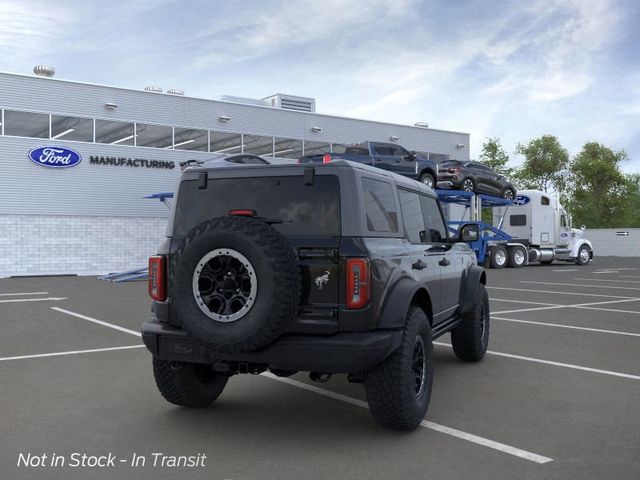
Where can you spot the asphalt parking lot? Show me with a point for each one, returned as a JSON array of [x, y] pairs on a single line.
[[558, 396]]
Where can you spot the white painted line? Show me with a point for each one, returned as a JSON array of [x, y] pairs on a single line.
[[485, 442], [72, 352], [573, 327], [629, 276], [555, 364], [577, 305], [610, 310], [581, 285], [608, 271], [613, 269], [99, 322], [566, 270], [605, 280], [521, 301], [23, 293], [527, 290], [20, 300]]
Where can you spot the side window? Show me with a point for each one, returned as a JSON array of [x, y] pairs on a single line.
[[383, 150], [380, 207], [517, 220], [545, 201], [412, 216], [398, 151], [437, 231], [563, 221]]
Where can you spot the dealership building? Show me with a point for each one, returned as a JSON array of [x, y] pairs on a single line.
[[77, 160]]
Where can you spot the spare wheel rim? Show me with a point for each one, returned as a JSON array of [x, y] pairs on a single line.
[[224, 285]]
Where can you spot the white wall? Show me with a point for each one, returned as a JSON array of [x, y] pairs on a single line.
[[607, 242], [83, 245]]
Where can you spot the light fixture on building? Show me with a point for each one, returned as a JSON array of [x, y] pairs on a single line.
[[110, 106], [183, 143], [62, 134], [460, 145], [123, 139], [224, 118], [316, 129], [175, 91], [394, 138], [421, 124]]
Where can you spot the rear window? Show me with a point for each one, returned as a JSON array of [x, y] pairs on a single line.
[[357, 151], [450, 163], [305, 210]]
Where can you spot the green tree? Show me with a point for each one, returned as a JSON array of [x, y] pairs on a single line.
[[495, 157], [599, 192], [545, 164]]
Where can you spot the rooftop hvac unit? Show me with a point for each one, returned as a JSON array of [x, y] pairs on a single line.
[[175, 91], [153, 88], [290, 102]]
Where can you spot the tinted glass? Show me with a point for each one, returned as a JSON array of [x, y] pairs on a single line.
[[257, 145], [228, 143], [518, 220], [380, 207], [287, 148], [26, 124], [437, 231], [384, 150], [545, 201], [115, 133], [411, 215], [338, 148], [305, 210], [357, 151], [71, 128], [157, 136], [190, 139]]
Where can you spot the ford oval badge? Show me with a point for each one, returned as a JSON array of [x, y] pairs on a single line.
[[521, 200], [55, 157]]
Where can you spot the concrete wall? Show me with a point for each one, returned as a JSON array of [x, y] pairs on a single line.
[[607, 242]]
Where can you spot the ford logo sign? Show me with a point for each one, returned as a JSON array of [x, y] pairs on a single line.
[[521, 200], [55, 157]]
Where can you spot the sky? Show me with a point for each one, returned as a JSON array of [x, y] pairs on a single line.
[[509, 69]]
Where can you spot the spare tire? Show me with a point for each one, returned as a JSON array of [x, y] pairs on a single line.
[[236, 284]]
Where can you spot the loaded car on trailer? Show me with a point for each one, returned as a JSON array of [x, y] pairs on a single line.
[[331, 268]]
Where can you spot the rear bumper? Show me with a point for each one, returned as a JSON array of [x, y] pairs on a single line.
[[339, 353]]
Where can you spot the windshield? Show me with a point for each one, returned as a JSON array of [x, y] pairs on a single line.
[[295, 208]]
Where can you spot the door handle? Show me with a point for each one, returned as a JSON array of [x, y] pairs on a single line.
[[419, 265], [444, 262]]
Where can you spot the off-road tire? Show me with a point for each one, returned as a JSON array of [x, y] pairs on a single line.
[[428, 180], [513, 260], [278, 283], [470, 339], [190, 385], [495, 253], [391, 385]]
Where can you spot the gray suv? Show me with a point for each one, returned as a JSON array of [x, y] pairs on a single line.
[[328, 268]]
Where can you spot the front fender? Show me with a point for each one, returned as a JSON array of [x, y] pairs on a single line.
[[396, 306], [475, 276], [576, 246]]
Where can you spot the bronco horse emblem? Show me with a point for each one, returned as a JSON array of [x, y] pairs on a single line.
[[322, 280]]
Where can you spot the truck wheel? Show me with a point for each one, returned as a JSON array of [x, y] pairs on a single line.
[[517, 257], [236, 284], [498, 255], [399, 389], [508, 193], [470, 339], [188, 384], [584, 255], [428, 180]]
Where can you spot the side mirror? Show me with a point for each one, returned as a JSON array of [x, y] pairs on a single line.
[[411, 156], [469, 232], [583, 228]]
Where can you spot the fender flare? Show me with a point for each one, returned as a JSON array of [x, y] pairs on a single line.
[[430, 171], [576, 247], [395, 308], [476, 275]]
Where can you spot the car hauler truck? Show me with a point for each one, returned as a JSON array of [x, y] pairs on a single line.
[[532, 228]]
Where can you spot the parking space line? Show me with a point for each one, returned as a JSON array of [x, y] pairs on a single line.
[[566, 270], [21, 300], [99, 322], [635, 312], [555, 364], [71, 352], [485, 442], [573, 327], [577, 305], [23, 293], [581, 285], [580, 294], [522, 301], [605, 280]]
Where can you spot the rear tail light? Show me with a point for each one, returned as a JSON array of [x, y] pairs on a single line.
[[158, 278], [454, 170], [326, 158], [358, 282], [242, 212]]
